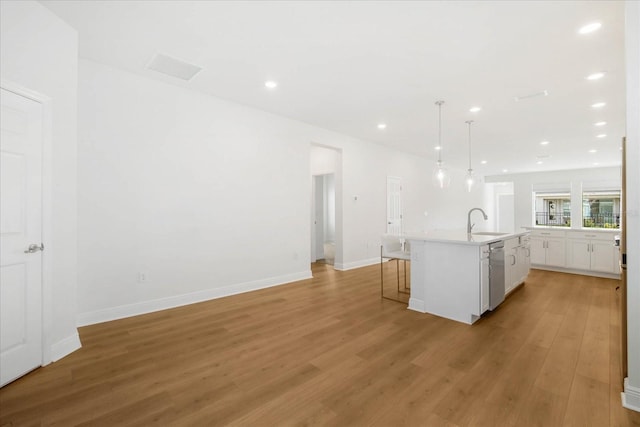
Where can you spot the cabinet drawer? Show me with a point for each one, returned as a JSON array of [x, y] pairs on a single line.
[[545, 232], [591, 235]]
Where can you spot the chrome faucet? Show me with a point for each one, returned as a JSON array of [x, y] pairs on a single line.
[[469, 225]]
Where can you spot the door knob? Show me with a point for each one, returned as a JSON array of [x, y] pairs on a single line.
[[33, 248]]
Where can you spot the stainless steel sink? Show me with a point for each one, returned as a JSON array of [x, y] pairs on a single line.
[[489, 233]]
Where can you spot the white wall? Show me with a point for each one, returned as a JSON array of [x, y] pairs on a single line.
[[209, 198], [573, 180], [632, 39], [40, 52], [447, 209], [203, 196]]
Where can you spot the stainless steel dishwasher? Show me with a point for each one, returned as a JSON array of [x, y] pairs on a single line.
[[496, 274]]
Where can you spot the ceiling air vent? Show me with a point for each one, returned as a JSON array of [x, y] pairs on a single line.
[[173, 67], [531, 95]]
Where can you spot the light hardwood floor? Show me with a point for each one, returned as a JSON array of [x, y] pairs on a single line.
[[328, 351]]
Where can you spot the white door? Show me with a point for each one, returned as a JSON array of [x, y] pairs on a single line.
[[394, 205], [20, 227], [319, 209]]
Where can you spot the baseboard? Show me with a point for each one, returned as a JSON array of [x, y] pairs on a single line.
[[631, 396], [572, 271], [65, 347], [128, 310], [417, 305], [356, 264]]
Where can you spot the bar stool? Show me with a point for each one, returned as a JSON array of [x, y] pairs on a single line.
[[392, 249]]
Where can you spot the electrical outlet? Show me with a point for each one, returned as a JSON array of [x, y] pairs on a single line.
[[142, 277]]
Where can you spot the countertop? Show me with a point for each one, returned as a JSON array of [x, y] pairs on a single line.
[[580, 230], [460, 237]]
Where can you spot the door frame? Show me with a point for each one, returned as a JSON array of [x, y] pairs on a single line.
[[339, 203], [315, 254], [47, 210]]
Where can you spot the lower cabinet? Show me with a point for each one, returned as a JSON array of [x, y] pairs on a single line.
[[524, 261], [548, 248], [484, 278], [516, 262], [592, 251], [575, 250], [605, 257]]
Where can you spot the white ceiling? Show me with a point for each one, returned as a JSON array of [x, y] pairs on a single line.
[[347, 66]]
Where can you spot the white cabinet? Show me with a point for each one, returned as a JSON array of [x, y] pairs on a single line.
[[538, 250], [548, 248], [484, 278], [510, 264], [524, 259], [516, 261], [605, 257], [592, 251], [578, 251], [579, 254]]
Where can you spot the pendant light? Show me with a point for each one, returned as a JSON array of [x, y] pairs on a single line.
[[441, 177], [469, 179]]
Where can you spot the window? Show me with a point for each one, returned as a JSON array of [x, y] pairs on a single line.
[[601, 209], [553, 209]]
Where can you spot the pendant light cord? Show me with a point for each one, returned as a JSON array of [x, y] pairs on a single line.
[[469, 123], [439, 104]]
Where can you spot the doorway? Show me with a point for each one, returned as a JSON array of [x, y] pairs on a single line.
[[324, 197], [326, 206]]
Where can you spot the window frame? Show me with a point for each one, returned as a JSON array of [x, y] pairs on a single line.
[[607, 221]]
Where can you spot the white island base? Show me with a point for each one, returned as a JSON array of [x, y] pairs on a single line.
[[450, 274], [445, 280]]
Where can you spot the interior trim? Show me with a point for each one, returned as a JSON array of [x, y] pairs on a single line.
[[144, 307]]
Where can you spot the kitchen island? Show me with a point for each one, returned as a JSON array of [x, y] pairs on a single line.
[[450, 271]]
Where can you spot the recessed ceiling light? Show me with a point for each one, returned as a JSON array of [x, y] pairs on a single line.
[[382, 126], [600, 124], [598, 105], [590, 28], [484, 162], [595, 76], [437, 147], [602, 135], [505, 170], [544, 143], [595, 163], [475, 109], [270, 84], [539, 162], [593, 151]]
